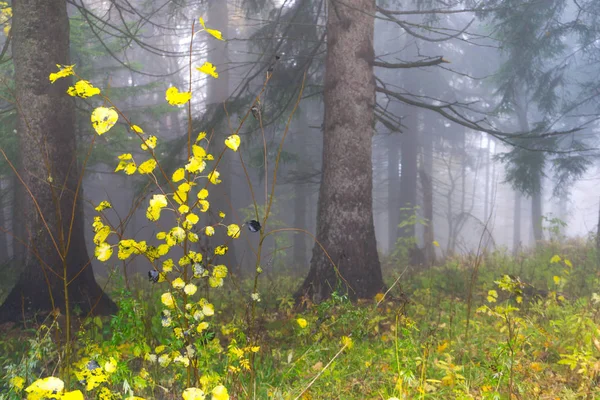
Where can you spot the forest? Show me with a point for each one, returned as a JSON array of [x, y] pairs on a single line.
[[299, 199]]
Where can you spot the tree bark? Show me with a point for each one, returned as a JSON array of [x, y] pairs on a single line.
[[54, 233], [345, 225]]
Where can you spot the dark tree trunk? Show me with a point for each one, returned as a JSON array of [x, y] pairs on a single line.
[[393, 176], [46, 131], [345, 225]]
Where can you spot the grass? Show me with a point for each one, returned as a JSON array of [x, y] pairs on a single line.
[[536, 338]]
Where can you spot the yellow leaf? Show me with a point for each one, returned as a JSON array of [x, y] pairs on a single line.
[[568, 263], [137, 129], [49, 384], [209, 69], [221, 250], [83, 89], [209, 231], [103, 251], [193, 394], [204, 205], [103, 119], [110, 366], [64, 71], [74, 395], [302, 323], [233, 231], [190, 289], [556, 279], [519, 299], [103, 206], [19, 382], [347, 341], [149, 143], [220, 393], [178, 175], [147, 166], [167, 300], [176, 98], [201, 136], [213, 177], [233, 142], [217, 34], [435, 243], [203, 194], [195, 165], [555, 259], [192, 219]]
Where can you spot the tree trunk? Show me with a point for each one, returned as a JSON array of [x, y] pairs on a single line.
[[598, 238], [409, 152], [486, 203], [426, 178], [345, 225], [393, 190], [536, 217], [517, 224], [536, 198], [299, 253], [299, 140], [46, 130], [218, 94]]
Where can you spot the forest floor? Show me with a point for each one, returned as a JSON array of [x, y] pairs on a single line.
[[476, 327]]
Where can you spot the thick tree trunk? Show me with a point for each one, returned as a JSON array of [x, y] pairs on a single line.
[[46, 131], [345, 225]]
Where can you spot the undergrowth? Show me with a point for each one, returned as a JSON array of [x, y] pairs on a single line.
[[535, 339]]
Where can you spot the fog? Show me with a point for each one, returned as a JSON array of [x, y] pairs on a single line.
[[460, 91]]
